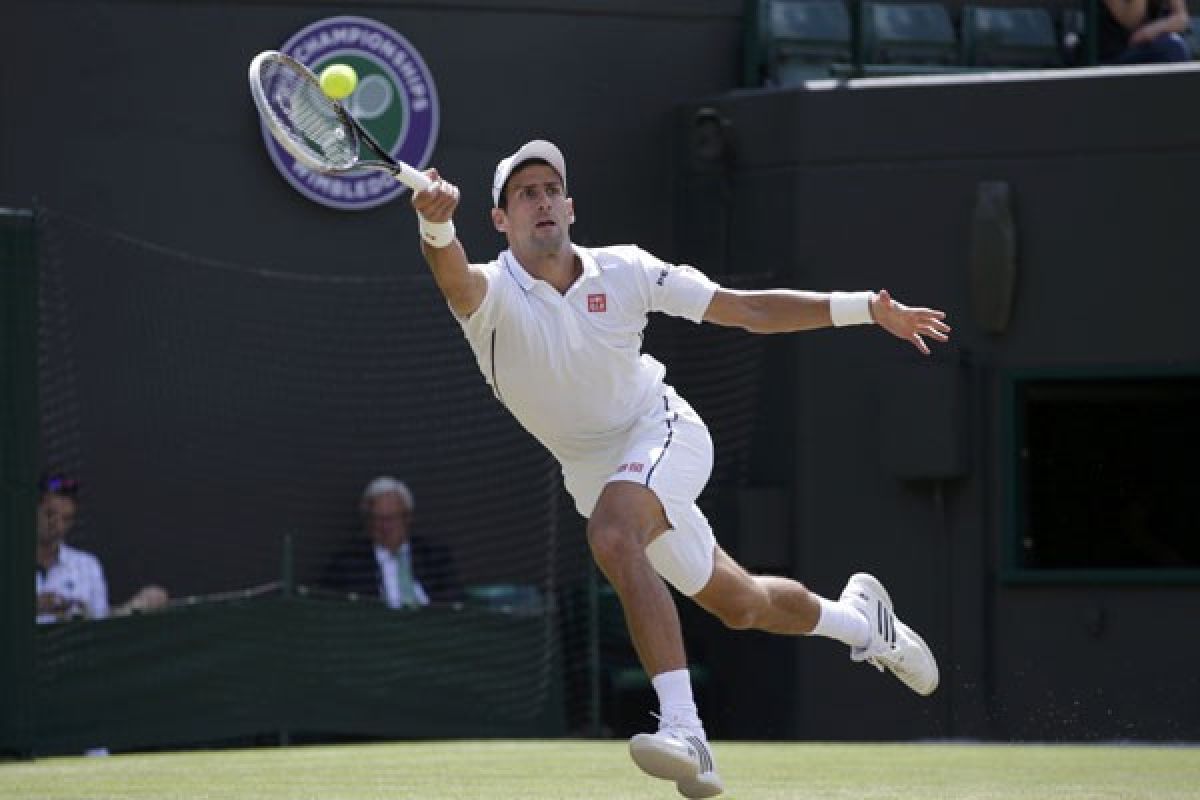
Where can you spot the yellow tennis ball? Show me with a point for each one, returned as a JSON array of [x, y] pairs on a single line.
[[338, 81]]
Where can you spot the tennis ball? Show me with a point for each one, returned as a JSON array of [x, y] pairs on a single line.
[[338, 81]]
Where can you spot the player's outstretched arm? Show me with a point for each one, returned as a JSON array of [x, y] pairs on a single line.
[[788, 310], [463, 285]]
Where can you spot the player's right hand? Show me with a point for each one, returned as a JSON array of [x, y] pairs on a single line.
[[51, 602], [438, 202]]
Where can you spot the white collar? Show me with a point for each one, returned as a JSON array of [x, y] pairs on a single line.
[[382, 554], [526, 281]]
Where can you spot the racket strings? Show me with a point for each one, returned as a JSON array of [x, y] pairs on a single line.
[[309, 119], [317, 119]]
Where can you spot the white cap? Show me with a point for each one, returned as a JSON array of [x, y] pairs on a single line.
[[386, 484], [537, 149]]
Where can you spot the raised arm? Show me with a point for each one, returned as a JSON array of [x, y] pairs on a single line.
[[462, 284], [1176, 21], [788, 310]]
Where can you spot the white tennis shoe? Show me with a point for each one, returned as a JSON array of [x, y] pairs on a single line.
[[678, 752], [893, 644]]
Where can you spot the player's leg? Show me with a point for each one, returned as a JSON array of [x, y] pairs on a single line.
[[776, 605], [862, 617], [664, 463], [627, 517]]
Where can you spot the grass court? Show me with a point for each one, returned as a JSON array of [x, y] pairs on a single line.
[[586, 770]]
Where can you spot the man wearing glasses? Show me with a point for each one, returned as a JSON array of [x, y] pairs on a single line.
[[400, 569]]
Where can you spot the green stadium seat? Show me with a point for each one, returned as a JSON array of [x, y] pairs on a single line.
[[509, 598], [908, 38], [1192, 36], [1009, 37], [804, 38]]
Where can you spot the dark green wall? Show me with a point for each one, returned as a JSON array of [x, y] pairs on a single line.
[[904, 462], [18, 453], [866, 185], [172, 151]]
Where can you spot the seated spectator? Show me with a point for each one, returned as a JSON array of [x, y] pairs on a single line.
[[1142, 31], [70, 582], [387, 561]]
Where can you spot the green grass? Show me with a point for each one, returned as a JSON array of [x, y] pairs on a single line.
[[563, 770]]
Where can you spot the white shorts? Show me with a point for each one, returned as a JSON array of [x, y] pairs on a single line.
[[670, 452]]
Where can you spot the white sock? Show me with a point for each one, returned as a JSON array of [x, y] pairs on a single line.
[[675, 700], [843, 622]]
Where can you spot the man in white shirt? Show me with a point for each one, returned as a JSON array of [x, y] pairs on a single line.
[[70, 582], [556, 330]]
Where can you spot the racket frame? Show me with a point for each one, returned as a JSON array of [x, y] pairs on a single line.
[[403, 172]]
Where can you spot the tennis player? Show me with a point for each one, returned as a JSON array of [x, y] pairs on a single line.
[[557, 331]]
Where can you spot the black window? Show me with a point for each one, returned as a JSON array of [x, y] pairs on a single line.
[[1107, 473]]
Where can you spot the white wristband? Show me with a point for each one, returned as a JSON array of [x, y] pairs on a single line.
[[436, 234], [850, 308]]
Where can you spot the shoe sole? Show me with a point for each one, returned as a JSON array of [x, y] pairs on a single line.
[[658, 761], [698, 788], [936, 673]]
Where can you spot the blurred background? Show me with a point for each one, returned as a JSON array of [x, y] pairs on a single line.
[[224, 362]]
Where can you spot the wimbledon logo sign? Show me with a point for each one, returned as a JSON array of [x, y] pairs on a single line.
[[395, 101]]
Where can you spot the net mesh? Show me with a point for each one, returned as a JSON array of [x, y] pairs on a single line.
[[224, 419], [303, 118]]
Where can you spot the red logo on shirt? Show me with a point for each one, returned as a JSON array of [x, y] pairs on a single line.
[[597, 302]]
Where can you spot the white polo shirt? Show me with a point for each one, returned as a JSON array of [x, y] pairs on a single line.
[[569, 366], [79, 578]]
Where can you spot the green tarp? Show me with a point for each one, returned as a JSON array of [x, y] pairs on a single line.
[[294, 666]]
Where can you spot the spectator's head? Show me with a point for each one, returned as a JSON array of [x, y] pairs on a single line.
[[56, 508], [387, 506]]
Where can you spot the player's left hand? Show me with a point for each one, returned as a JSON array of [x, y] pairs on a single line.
[[909, 324]]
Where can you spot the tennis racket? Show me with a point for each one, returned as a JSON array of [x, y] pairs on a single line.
[[313, 127]]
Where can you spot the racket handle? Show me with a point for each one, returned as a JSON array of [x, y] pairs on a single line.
[[417, 181]]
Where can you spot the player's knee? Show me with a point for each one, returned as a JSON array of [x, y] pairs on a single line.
[[612, 546]]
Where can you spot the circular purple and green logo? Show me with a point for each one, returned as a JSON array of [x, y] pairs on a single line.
[[395, 100]]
